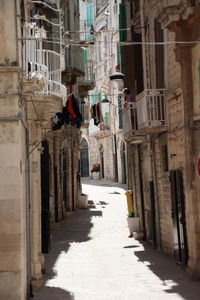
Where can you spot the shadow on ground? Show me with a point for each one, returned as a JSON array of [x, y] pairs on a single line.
[[165, 268], [74, 229], [52, 293]]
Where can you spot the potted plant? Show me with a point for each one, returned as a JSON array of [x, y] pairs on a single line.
[[95, 171], [133, 223]]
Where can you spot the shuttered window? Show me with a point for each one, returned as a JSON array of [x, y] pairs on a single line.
[[90, 20]]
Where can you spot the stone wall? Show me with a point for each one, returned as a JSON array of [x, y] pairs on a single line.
[[13, 197]]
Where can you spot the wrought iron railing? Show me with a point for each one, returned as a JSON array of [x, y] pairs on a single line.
[[74, 58], [42, 64], [89, 73], [151, 109]]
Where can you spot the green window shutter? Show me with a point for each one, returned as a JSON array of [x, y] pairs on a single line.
[[94, 99], [90, 20], [89, 14], [85, 56], [106, 121]]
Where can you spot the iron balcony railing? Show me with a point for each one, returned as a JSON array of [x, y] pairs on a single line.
[[147, 114], [151, 109], [89, 73], [42, 64], [86, 31], [74, 59]]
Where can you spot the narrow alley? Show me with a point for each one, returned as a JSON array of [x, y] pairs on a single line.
[[92, 257]]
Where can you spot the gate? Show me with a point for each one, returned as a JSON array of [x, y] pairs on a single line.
[[178, 216]]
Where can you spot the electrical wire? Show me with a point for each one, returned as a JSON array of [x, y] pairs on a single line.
[[79, 43], [45, 4], [44, 19]]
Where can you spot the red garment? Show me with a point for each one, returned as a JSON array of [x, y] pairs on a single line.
[[70, 108]]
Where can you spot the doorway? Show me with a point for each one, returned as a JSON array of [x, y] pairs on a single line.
[[101, 161], [65, 181], [45, 193], [178, 216], [84, 159]]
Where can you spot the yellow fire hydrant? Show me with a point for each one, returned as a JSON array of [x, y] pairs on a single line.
[[129, 201]]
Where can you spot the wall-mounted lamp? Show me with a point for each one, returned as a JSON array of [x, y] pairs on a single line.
[[117, 75]]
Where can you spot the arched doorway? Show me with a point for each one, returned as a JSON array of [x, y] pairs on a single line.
[[123, 161], [84, 159]]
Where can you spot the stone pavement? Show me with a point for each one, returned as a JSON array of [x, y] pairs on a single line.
[[92, 257]]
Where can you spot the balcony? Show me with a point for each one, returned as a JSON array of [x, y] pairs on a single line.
[[151, 111], [74, 62], [145, 116], [86, 83], [130, 125], [87, 33], [41, 64]]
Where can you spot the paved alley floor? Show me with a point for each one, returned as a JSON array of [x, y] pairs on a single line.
[[92, 257]]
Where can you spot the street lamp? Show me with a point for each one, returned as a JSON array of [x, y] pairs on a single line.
[[117, 75]]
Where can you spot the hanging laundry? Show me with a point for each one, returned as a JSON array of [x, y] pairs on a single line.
[[71, 111], [57, 121], [99, 113], [96, 114]]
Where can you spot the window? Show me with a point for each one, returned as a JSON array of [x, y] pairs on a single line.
[[100, 4]]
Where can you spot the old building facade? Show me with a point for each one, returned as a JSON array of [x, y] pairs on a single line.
[[163, 142], [107, 146], [40, 157]]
